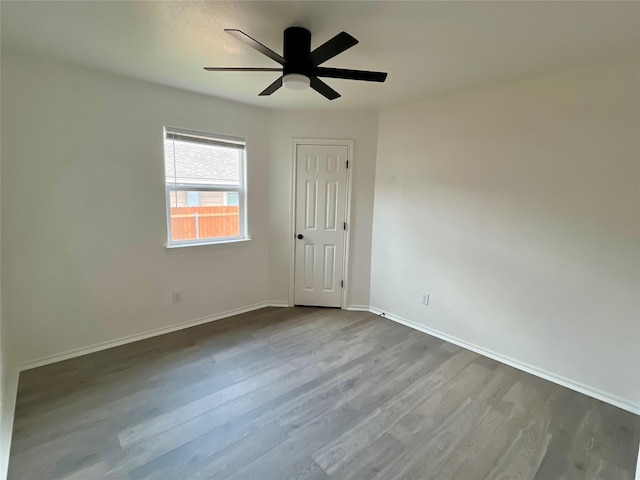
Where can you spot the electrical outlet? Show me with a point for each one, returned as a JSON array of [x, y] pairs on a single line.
[[424, 298], [176, 297]]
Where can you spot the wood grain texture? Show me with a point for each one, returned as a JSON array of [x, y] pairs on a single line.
[[308, 394]]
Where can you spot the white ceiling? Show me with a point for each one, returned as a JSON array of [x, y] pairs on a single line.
[[428, 48]]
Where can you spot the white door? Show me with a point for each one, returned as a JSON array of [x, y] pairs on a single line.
[[321, 198]]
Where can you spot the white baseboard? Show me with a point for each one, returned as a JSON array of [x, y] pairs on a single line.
[[358, 308], [6, 421], [142, 336], [552, 377], [275, 303]]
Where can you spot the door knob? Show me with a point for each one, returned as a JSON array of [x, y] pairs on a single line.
[[300, 236]]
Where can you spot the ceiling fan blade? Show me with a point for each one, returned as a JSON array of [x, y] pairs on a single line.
[[350, 74], [271, 88], [241, 69], [333, 47], [323, 89], [243, 37]]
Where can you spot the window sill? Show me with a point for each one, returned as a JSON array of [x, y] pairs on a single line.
[[219, 243]]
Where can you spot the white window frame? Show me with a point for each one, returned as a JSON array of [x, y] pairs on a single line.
[[241, 190]]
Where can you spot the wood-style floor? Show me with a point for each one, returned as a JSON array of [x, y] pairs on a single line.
[[307, 393]]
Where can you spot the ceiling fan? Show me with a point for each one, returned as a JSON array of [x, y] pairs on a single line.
[[300, 66]]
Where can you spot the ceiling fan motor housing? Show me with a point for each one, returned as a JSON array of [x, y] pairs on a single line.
[[296, 49]]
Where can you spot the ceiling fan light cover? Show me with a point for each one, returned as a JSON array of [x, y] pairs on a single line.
[[296, 81]]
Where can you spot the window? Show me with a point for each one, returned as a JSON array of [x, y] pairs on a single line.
[[205, 186]]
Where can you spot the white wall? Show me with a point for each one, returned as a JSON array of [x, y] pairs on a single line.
[[361, 127], [83, 209], [516, 207], [83, 206]]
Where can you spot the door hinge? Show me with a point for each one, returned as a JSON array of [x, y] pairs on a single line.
[[341, 283], [345, 225], [347, 163]]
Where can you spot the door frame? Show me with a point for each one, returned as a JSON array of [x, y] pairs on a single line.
[[342, 142]]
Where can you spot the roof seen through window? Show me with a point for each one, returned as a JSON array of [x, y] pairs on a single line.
[[200, 164]]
